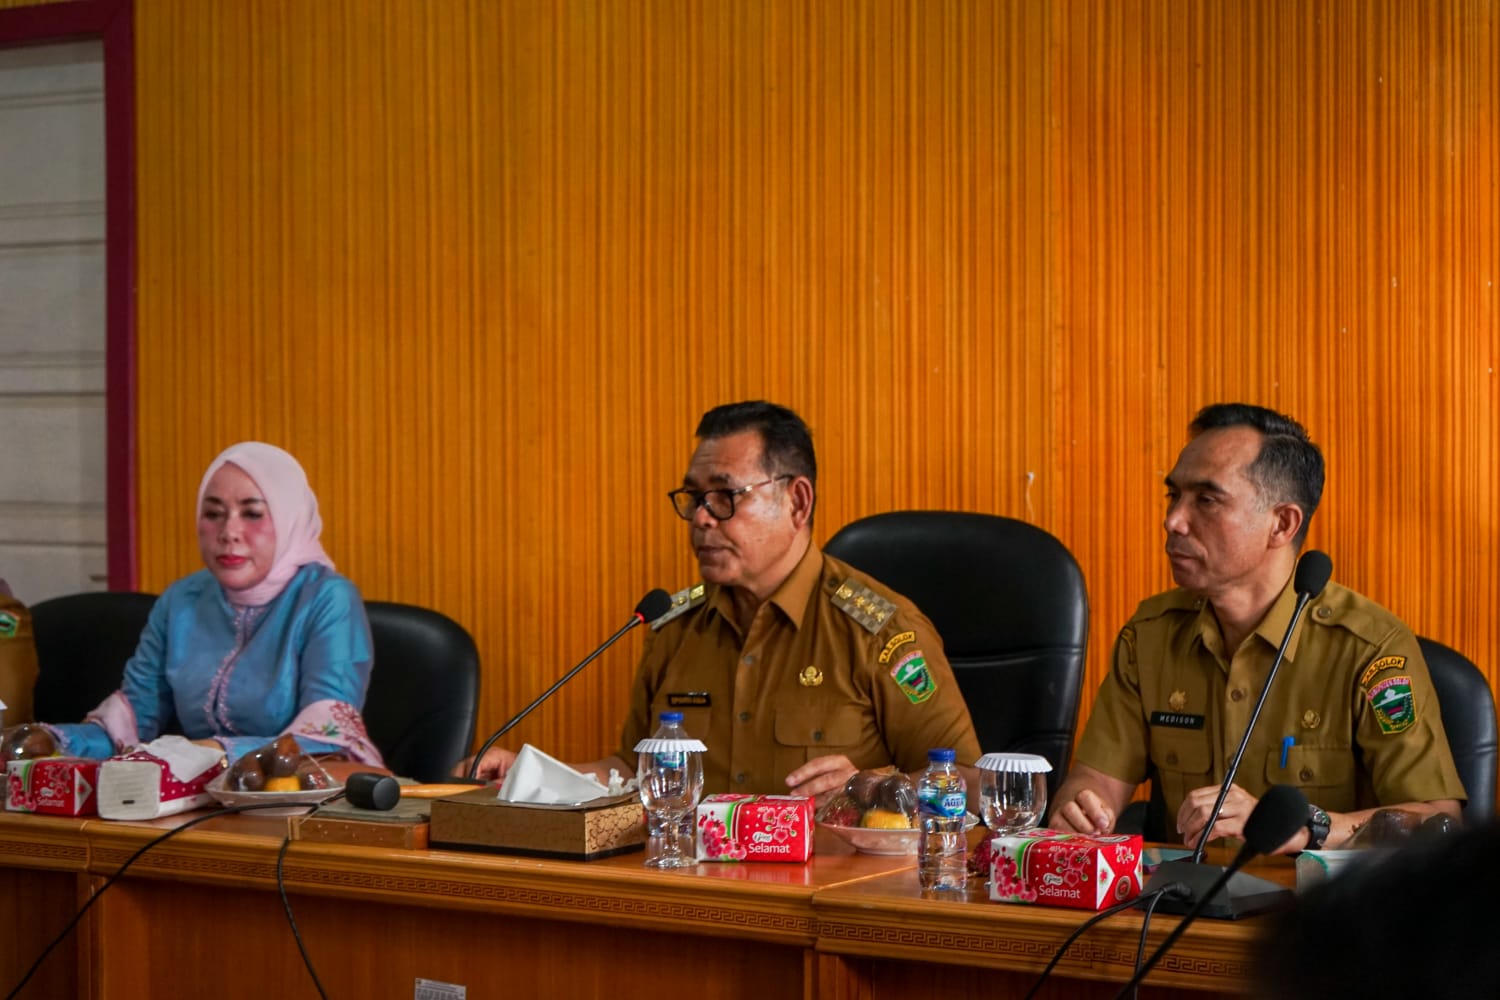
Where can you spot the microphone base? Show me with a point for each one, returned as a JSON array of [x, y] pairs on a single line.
[[1242, 896]]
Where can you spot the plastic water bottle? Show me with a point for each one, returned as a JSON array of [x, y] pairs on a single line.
[[942, 853], [671, 782]]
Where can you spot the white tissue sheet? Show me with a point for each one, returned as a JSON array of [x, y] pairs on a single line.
[[537, 778]]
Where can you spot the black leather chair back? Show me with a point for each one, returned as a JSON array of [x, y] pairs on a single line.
[[1008, 600], [1468, 708], [83, 642], [424, 690]]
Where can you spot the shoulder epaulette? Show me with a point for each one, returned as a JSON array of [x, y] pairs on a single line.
[[683, 601], [863, 605]]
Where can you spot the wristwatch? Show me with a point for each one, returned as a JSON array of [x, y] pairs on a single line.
[[1317, 827]]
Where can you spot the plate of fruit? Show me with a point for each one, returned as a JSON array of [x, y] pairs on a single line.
[[876, 813], [278, 774]]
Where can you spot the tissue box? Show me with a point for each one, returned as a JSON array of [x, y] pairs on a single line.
[[1065, 869], [139, 785], [755, 828], [480, 821], [56, 786]]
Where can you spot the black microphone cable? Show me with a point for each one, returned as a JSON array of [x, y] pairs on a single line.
[[286, 905], [1140, 948], [1176, 889], [62, 934]]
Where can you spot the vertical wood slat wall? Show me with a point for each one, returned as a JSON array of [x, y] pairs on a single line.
[[482, 264]]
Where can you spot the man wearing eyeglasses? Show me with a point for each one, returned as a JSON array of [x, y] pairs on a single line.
[[794, 669]]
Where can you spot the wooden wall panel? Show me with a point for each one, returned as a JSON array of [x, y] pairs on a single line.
[[482, 264]]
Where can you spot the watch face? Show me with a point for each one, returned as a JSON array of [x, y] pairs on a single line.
[[1317, 827]]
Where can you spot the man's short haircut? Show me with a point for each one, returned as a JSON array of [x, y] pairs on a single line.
[[1289, 467], [787, 443]]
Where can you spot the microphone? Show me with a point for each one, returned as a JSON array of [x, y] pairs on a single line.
[[369, 790], [1279, 814], [651, 607], [1245, 895]]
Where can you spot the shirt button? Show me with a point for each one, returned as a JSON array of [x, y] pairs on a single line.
[[1236, 695], [817, 736], [1172, 757], [1305, 774], [739, 779], [1323, 612], [750, 659], [744, 716]]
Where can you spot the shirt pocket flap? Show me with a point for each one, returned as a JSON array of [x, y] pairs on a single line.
[[810, 726], [1311, 767], [1179, 750]]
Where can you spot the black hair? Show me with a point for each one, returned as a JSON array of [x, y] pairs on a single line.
[[1289, 467], [787, 447]]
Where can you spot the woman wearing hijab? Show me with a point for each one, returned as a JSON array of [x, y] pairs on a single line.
[[267, 639]]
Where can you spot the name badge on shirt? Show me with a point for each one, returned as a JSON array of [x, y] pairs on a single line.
[[689, 699], [1177, 720]]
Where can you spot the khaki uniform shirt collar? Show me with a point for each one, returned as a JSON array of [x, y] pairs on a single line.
[[1271, 628], [791, 597]]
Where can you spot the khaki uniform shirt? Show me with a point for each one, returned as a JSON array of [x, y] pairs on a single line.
[[17, 661], [1353, 695], [834, 663]]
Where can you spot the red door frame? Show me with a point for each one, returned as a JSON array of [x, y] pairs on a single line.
[[111, 21]]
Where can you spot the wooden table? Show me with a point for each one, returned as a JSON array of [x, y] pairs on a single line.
[[199, 915]]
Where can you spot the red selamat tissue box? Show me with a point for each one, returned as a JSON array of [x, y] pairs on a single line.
[[140, 785], [755, 828], [1065, 869], [56, 786]]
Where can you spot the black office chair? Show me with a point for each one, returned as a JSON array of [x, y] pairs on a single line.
[[424, 690], [1008, 600], [82, 644], [1468, 709]]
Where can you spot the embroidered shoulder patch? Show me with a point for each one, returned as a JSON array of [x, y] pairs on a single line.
[[1383, 663], [897, 641], [863, 605], [1394, 706], [912, 677], [683, 601], [8, 625]]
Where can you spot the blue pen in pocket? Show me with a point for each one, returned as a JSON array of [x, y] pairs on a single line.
[[1286, 746]]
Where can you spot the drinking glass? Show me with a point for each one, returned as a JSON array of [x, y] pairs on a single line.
[[1013, 801], [671, 783]]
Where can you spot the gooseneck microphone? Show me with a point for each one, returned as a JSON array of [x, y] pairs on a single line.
[[1279, 814], [651, 607], [1245, 895]]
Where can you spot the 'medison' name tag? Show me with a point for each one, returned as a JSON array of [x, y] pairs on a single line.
[[699, 699], [1177, 720]]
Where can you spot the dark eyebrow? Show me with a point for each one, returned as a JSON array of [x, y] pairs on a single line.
[[1199, 486], [210, 498], [718, 478]]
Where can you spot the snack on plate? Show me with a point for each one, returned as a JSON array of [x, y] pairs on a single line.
[[880, 799], [280, 766]]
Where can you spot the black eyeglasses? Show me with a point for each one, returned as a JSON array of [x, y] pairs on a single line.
[[718, 503]]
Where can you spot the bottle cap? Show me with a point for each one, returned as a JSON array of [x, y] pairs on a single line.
[[671, 716], [942, 755]]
